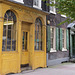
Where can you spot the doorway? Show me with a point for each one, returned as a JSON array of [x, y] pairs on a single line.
[[73, 45], [25, 45]]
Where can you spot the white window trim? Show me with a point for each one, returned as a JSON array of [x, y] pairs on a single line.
[[54, 42], [53, 12], [64, 16], [38, 7], [52, 50], [64, 49], [19, 1]]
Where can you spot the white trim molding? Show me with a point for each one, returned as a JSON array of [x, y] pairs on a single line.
[[52, 12], [53, 50], [20, 1], [64, 16], [63, 49]]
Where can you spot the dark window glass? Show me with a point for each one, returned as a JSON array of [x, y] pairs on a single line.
[[38, 34], [25, 40], [9, 32]]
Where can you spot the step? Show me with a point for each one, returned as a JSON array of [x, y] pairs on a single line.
[[26, 68]]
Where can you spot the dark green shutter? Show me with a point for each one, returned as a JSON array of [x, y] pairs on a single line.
[[48, 38], [60, 38], [67, 39], [57, 38]]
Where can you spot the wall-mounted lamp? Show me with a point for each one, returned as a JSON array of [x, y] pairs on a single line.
[[48, 21]]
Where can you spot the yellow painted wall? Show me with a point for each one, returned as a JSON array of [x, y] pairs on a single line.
[[11, 61]]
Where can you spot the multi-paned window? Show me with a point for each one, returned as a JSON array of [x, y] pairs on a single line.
[[37, 4], [52, 37], [38, 34], [20, 1], [64, 40], [9, 32], [52, 8]]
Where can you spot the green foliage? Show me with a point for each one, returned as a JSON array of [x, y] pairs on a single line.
[[65, 7]]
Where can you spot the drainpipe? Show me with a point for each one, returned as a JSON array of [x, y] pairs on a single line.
[[59, 38], [69, 44]]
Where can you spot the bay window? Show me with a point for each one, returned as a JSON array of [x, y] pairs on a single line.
[[9, 32]]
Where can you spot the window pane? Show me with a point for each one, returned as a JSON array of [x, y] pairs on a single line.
[[36, 2], [3, 45], [24, 40], [13, 45], [8, 48]]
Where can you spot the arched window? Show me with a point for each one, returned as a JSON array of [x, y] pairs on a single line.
[[38, 34], [9, 32]]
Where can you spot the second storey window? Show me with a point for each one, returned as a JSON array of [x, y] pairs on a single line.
[[52, 8], [20, 1], [37, 4]]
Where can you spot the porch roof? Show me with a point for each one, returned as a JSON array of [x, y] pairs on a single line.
[[70, 25]]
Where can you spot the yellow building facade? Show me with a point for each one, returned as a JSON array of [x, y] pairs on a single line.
[[12, 56]]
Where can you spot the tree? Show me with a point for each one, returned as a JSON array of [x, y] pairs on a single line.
[[65, 7]]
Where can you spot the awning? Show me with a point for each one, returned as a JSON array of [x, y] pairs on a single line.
[[70, 25]]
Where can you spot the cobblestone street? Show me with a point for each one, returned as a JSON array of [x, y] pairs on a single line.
[[62, 69]]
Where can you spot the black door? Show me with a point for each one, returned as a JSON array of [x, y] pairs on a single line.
[[73, 45]]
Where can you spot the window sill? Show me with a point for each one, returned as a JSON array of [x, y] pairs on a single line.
[[52, 12], [38, 50], [9, 52], [63, 16], [53, 50], [37, 7], [63, 49], [19, 1]]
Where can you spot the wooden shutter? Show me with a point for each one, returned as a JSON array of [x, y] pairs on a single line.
[[67, 40], [48, 38], [57, 38], [60, 38]]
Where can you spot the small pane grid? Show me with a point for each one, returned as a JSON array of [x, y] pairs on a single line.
[[9, 32], [24, 40], [52, 37], [38, 34]]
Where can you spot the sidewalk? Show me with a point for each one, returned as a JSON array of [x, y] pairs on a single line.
[[62, 69]]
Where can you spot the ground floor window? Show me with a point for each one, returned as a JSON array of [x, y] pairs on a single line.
[[9, 32], [38, 34], [64, 38]]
